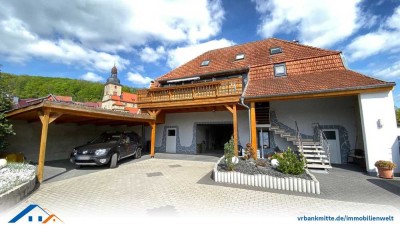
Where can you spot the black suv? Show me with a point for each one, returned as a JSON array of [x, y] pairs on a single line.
[[108, 148]]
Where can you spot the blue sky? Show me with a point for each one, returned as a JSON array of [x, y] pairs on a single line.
[[82, 39]]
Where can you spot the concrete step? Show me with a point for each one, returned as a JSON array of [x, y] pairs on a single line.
[[317, 161], [315, 156], [279, 131], [312, 147], [274, 128], [286, 135], [313, 151], [319, 166]]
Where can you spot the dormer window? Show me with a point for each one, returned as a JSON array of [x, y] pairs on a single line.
[[239, 56], [275, 50], [280, 70], [205, 63]]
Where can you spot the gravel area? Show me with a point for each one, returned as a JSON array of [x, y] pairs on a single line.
[[250, 167], [15, 174]]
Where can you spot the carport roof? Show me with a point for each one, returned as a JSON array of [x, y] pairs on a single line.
[[70, 113]]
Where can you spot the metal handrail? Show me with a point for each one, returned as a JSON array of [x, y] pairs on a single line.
[[298, 134], [322, 140]]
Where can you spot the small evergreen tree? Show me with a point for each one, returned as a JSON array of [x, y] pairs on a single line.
[[5, 104], [290, 163], [229, 153]]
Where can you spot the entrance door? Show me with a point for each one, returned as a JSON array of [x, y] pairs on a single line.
[[334, 145], [171, 140], [263, 142]]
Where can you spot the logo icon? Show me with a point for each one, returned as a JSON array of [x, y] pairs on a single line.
[[35, 214]]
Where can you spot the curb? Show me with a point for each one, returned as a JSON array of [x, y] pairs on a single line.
[[15, 195], [266, 181]]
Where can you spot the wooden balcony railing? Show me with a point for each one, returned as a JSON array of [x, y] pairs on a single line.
[[214, 89]]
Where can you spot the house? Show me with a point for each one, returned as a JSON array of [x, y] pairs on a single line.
[[273, 93], [114, 98], [36, 214]]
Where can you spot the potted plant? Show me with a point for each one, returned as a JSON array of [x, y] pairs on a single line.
[[385, 168]]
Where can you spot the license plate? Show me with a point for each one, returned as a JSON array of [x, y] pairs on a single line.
[[82, 157]]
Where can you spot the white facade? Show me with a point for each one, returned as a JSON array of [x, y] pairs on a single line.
[[379, 128]]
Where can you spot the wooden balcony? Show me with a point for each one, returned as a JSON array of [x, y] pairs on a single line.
[[199, 94]]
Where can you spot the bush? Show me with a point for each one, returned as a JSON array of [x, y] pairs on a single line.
[[229, 152], [290, 163], [385, 164]]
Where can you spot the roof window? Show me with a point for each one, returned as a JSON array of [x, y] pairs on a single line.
[[275, 50], [205, 63], [280, 70], [239, 56]]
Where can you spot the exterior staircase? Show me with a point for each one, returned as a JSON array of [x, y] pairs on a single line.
[[316, 153]]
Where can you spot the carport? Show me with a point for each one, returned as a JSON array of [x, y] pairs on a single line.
[[48, 112]]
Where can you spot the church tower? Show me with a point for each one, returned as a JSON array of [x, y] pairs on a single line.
[[112, 87]]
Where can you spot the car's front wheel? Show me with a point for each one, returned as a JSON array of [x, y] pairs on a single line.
[[138, 153], [114, 160]]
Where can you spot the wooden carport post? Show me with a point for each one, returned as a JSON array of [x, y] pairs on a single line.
[[154, 114], [46, 119], [253, 127], [235, 127]]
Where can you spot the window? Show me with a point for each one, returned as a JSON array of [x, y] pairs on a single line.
[[205, 63], [275, 50], [171, 133], [280, 70], [239, 56]]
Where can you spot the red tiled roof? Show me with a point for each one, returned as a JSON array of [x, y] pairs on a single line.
[[256, 53], [118, 103], [131, 110], [128, 97], [319, 81], [115, 97], [63, 98]]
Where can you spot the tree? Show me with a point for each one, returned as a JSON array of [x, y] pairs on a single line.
[[398, 116], [5, 104]]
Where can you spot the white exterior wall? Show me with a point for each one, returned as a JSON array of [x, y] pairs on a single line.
[[380, 141], [62, 138], [341, 111], [185, 122]]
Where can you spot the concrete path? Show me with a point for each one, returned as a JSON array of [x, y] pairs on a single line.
[[182, 187]]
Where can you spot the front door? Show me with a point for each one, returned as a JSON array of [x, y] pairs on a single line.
[[171, 140], [334, 147]]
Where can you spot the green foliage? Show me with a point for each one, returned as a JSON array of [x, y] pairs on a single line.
[[398, 116], [385, 164], [290, 163], [5, 104], [229, 153], [25, 86]]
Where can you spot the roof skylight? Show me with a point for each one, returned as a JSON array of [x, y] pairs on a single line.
[[205, 63], [275, 50], [239, 56]]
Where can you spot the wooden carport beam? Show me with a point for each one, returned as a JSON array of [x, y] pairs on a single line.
[[235, 127], [153, 138], [46, 117]]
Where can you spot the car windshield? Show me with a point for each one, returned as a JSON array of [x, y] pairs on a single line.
[[106, 138]]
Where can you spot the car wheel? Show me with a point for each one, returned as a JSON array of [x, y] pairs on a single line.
[[138, 153], [114, 160]]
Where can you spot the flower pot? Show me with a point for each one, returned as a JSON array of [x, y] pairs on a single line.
[[385, 173]]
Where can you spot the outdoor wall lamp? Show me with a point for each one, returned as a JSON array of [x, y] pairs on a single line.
[[379, 123]]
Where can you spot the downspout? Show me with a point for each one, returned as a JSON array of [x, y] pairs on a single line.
[[246, 106]]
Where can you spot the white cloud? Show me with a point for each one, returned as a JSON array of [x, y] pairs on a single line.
[[385, 39], [181, 55], [152, 55], [138, 80], [319, 23], [390, 72], [91, 33], [90, 76]]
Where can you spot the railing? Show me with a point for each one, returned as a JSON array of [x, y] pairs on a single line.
[[298, 135], [319, 136], [212, 89]]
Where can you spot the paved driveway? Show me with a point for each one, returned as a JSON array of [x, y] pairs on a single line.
[[178, 187]]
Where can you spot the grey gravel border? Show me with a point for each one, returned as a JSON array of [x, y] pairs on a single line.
[[15, 195], [267, 181]]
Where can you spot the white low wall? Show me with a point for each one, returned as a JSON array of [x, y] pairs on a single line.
[[266, 181]]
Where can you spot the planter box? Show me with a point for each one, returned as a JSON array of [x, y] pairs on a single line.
[[266, 181]]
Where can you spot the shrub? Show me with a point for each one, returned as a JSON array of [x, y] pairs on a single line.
[[290, 163], [229, 154], [385, 164]]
